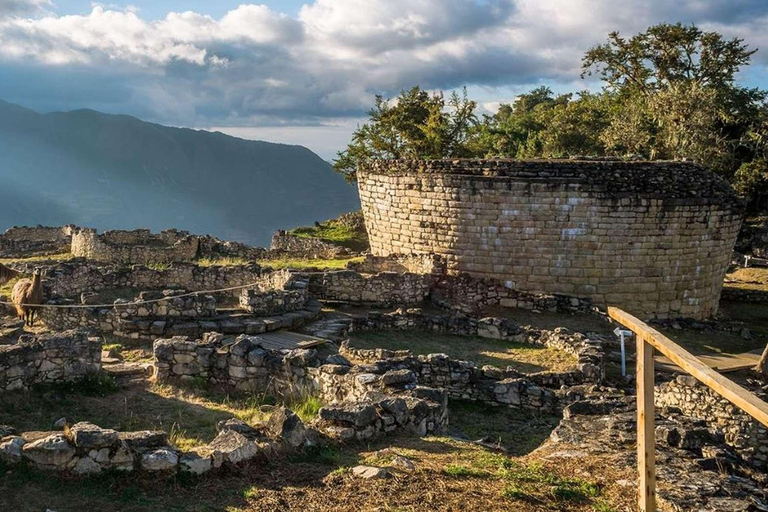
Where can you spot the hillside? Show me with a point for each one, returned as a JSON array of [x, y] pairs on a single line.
[[118, 172]]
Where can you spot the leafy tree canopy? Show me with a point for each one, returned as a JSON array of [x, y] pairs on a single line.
[[669, 93]]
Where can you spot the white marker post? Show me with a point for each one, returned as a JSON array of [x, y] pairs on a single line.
[[622, 333]]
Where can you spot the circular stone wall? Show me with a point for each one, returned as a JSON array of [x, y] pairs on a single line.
[[654, 238]]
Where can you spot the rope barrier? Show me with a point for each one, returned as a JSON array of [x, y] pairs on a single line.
[[136, 303]]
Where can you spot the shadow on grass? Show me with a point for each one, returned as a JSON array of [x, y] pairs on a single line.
[[519, 431]]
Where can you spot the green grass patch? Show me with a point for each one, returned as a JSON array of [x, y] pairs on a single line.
[[483, 351], [462, 471], [519, 431], [336, 233], [95, 385], [303, 264]]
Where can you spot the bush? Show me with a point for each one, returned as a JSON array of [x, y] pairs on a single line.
[[751, 183]]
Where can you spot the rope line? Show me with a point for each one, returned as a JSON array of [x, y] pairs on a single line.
[[136, 303]]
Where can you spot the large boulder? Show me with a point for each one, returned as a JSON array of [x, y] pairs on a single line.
[[196, 461], [352, 414], [161, 459], [52, 452], [287, 426], [87, 436], [233, 447], [10, 448], [144, 440]]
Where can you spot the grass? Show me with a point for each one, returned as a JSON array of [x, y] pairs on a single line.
[[548, 320], [483, 351], [302, 264], [449, 475], [64, 256], [223, 261], [518, 431], [188, 415], [335, 233], [748, 279]]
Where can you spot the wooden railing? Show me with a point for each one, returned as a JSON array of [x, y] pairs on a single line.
[[649, 339]]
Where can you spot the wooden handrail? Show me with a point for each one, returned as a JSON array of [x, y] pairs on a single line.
[[649, 339]]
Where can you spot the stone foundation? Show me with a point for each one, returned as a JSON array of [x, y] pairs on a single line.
[[747, 436], [48, 358], [126, 321], [383, 288], [71, 279]]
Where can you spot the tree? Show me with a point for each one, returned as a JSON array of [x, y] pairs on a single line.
[[677, 95], [416, 125], [751, 183], [666, 54]]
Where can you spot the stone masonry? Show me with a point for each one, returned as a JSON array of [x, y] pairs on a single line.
[[48, 358], [654, 238]]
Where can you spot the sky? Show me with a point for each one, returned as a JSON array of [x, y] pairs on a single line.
[[306, 72]]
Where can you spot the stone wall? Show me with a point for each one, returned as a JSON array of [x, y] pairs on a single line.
[[71, 279], [463, 379], [412, 263], [190, 316], [747, 436], [31, 241], [137, 246], [654, 238], [744, 295], [383, 288], [303, 247], [358, 404], [48, 358]]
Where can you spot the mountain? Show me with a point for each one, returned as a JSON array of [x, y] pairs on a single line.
[[118, 172]]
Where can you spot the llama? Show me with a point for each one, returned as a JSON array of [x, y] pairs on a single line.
[[6, 274], [28, 293]]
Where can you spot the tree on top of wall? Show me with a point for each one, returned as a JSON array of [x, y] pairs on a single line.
[[416, 124]]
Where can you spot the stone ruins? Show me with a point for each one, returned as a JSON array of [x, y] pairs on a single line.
[[450, 241], [654, 238]]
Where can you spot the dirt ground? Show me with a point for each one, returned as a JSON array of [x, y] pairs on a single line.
[[449, 475]]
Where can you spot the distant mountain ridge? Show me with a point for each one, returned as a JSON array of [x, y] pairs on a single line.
[[117, 172]]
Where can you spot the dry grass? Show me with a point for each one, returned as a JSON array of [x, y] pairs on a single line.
[[450, 475], [222, 262], [483, 351], [303, 264], [64, 256], [189, 415]]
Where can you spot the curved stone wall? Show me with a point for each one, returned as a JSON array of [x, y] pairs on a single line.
[[654, 238]]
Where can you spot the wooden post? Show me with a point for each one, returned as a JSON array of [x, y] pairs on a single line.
[[646, 432]]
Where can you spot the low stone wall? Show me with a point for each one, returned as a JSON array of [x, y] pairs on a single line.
[[748, 437], [126, 321], [464, 379], [744, 295], [137, 246], [70, 279], [47, 358], [384, 288], [284, 242], [471, 294], [32, 241], [359, 404], [85, 449]]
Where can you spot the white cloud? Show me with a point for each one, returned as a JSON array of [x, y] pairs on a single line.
[[255, 66]]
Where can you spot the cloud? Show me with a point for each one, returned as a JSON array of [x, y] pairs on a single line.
[[256, 67], [23, 7]]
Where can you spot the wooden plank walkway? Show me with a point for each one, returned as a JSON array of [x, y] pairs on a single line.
[[722, 363], [278, 340]]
